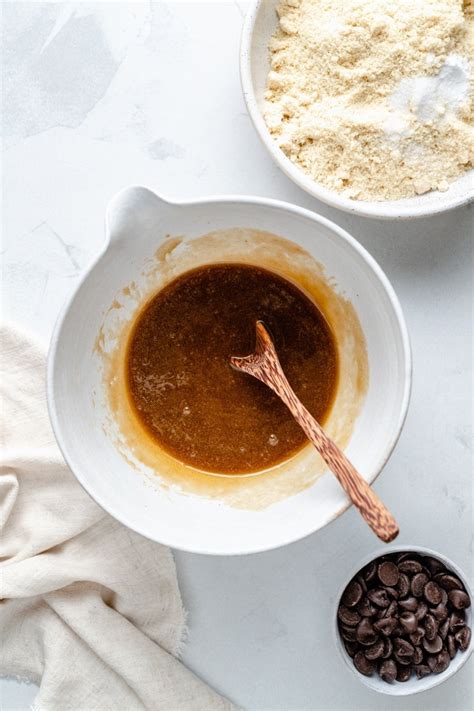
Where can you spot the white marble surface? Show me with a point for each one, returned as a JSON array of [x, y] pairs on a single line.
[[101, 95]]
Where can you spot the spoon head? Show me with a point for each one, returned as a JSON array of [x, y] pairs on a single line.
[[263, 347]]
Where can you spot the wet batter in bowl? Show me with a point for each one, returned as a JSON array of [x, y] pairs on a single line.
[[185, 393]]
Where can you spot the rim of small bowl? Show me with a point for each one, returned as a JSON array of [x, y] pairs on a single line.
[[385, 210], [378, 273], [404, 688]]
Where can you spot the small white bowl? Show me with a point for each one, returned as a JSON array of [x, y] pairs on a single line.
[[414, 685], [259, 25], [150, 241]]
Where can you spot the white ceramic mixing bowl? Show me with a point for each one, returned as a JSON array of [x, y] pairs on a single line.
[[259, 25], [141, 225]]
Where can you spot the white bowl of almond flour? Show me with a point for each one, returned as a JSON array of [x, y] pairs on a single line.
[[366, 104]]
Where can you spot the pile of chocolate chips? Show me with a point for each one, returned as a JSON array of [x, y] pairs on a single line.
[[402, 614]]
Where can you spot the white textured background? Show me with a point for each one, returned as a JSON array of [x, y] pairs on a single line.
[[100, 95]]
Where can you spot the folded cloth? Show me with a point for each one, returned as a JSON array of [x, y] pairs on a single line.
[[91, 611]]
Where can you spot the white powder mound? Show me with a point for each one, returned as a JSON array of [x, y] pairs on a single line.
[[374, 98]]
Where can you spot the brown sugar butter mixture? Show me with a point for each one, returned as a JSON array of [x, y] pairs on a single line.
[[185, 393]]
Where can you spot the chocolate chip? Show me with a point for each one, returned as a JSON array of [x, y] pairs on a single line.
[[450, 646], [432, 593], [409, 622], [444, 629], [418, 583], [422, 670], [388, 648], [418, 656], [433, 646], [365, 633], [391, 610], [417, 636], [365, 608], [352, 594], [421, 611], [348, 633], [398, 631], [431, 661], [440, 612], [348, 617], [379, 597], [410, 566], [450, 582], [392, 592], [363, 665], [388, 670], [442, 662], [370, 571], [361, 581], [431, 627], [403, 556], [388, 573], [351, 647], [403, 649], [386, 625], [376, 650], [400, 659], [459, 599], [456, 621], [410, 604], [403, 585], [433, 565], [404, 673], [463, 638]]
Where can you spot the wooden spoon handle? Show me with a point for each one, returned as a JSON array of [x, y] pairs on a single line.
[[265, 366], [370, 506]]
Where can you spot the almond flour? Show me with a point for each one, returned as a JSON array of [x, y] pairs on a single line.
[[374, 98]]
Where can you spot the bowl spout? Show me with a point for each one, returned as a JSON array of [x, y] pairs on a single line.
[[133, 211]]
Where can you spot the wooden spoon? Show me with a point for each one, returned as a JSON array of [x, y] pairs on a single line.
[[265, 366]]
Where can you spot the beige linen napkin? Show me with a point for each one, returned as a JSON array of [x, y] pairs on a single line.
[[90, 610]]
